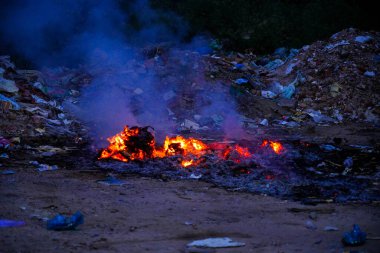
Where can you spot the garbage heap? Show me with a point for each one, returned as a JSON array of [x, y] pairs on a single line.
[[28, 113], [327, 82]]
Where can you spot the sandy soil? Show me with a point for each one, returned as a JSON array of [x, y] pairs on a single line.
[[149, 215]]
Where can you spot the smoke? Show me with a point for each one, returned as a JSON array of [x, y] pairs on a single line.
[[106, 37]]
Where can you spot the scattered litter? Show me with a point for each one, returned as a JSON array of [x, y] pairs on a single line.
[[188, 124], [328, 147], [4, 143], [195, 176], [241, 81], [330, 228], [4, 156], [224, 242], [110, 180], [238, 66], [7, 172], [318, 117], [363, 39], [309, 224], [369, 73], [355, 237], [8, 85], [46, 167], [274, 64], [169, 95], [264, 122], [338, 44], [8, 103], [11, 223], [61, 222], [268, 94], [348, 162]]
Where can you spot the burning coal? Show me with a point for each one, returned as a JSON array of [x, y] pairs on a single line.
[[138, 143]]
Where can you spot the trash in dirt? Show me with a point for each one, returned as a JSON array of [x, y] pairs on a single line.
[[289, 69], [110, 180], [60, 222], [288, 91], [369, 74], [335, 89], [264, 122], [337, 115], [328, 147], [169, 95], [39, 100], [188, 124], [46, 167], [4, 143], [8, 85], [348, 162], [355, 237], [309, 224], [268, 94], [241, 81], [340, 43], [7, 172], [195, 176], [330, 228], [238, 66], [318, 117], [274, 64], [8, 103], [11, 223], [4, 156], [39, 86], [222, 242], [363, 39], [292, 53]]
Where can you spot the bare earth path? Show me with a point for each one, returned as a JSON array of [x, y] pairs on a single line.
[[149, 215]]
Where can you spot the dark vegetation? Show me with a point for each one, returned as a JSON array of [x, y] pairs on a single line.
[[266, 25]]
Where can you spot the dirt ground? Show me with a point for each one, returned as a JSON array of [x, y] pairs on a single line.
[[150, 215]]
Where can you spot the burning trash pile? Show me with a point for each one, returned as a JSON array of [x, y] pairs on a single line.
[[138, 143], [302, 171], [228, 119]]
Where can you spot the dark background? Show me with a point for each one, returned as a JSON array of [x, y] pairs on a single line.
[[240, 25]]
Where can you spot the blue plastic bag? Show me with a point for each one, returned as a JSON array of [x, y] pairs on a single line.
[[61, 222]]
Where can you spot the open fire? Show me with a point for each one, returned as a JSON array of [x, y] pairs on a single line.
[[138, 143]]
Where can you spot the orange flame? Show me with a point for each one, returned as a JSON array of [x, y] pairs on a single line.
[[275, 145], [186, 163]]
